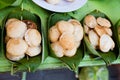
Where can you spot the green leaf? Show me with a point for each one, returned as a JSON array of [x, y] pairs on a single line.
[[117, 32], [3, 13], [31, 63], [116, 29], [17, 3], [5, 64], [71, 62], [5, 3], [108, 57], [25, 15], [0, 40], [54, 18]]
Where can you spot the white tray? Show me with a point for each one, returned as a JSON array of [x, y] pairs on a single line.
[[63, 6]]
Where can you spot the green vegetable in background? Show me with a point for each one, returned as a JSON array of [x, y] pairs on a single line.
[[94, 73]]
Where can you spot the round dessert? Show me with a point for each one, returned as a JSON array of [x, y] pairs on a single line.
[[16, 47], [33, 51], [90, 21], [64, 26], [33, 37], [54, 34], [67, 41], [16, 29]]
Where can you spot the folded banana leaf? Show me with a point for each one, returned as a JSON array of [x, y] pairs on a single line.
[[5, 3], [27, 63], [5, 63], [71, 62], [108, 57], [117, 34], [117, 29], [3, 13], [0, 40]]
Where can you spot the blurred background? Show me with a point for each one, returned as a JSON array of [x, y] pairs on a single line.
[[86, 73]]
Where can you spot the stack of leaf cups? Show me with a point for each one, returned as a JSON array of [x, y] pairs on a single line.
[[96, 50], [27, 63], [73, 61]]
